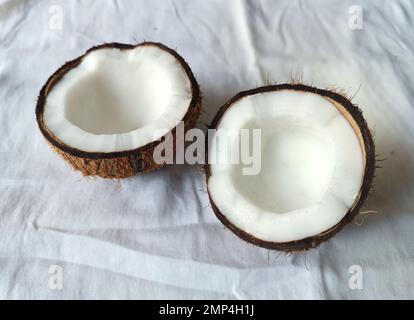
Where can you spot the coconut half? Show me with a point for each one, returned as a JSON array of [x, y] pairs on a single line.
[[107, 110], [317, 166]]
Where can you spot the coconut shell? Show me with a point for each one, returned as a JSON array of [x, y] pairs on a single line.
[[122, 164], [354, 115]]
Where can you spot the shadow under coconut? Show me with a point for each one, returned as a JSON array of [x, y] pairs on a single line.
[[393, 188]]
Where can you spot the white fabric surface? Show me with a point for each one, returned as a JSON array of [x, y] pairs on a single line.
[[154, 236]]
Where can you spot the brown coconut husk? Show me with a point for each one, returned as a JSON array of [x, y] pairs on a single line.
[[354, 115], [114, 164]]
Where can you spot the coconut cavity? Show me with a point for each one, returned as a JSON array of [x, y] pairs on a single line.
[[107, 110], [316, 160], [100, 102], [297, 165]]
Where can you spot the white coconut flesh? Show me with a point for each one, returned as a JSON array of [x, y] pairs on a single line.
[[312, 166], [117, 100]]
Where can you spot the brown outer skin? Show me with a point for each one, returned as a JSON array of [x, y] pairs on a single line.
[[314, 241], [121, 164]]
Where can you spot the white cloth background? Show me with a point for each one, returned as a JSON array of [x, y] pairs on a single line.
[[154, 236]]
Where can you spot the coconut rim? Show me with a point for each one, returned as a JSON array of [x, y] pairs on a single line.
[[64, 69], [354, 116]]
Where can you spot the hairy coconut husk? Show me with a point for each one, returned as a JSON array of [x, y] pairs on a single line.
[[114, 164], [354, 115]]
